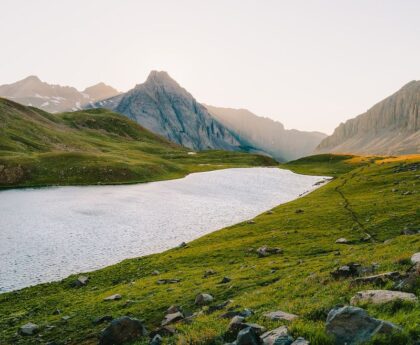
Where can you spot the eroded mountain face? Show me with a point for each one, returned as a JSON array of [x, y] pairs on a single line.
[[32, 91], [390, 127], [161, 105]]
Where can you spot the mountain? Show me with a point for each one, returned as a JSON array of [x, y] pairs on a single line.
[[390, 127], [161, 105], [54, 98], [269, 135], [94, 146]]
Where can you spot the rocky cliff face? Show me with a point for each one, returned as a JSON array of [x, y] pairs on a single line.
[[32, 91], [164, 107], [390, 127], [269, 135]]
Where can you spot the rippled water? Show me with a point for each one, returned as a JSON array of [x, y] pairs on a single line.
[[47, 234]]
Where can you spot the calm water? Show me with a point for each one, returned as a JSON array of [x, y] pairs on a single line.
[[47, 234]]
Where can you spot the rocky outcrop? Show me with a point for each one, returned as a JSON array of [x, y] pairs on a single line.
[[390, 127], [164, 107], [267, 134], [32, 91], [122, 330]]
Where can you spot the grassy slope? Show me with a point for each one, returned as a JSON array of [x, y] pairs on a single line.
[[359, 200], [94, 146]]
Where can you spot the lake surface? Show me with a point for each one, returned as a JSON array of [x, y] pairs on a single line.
[[47, 234]]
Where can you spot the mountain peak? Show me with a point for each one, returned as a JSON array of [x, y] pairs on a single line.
[[32, 78], [160, 78]]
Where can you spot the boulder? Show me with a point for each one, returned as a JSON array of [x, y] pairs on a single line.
[[122, 330], [182, 245], [280, 315], [156, 340], [209, 273], [155, 273], [225, 280], [29, 329], [113, 297], [342, 240], [378, 279], [203, 299], [173, 309], [270, 337], [266, 251], [301, 341], [236, 324], [172, 318], [415, 259], [81, 281], [248, 336], [381, 296], [168, 281], [351, 325], [350, 270]]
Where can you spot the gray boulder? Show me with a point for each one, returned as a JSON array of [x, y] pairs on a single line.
[[415, 259], [342, 240], [351, 325], [280, 315], [267, 251], [301, 341], [378, 279], [29, 329], [81, 281], [270, 337], [157, 340], [122, 330], [381, 296], [113, 297], [172, 318], [203, 299], [248, 336]]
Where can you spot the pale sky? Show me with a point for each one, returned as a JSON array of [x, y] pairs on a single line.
[[309, 64]]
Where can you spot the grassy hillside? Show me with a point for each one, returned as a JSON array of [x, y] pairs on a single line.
[[369, 196], [94, 146]]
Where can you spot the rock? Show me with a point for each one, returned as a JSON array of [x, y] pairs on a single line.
[[165, 331], [352, 325], [266, 251], [299, 211], [173, 309], [216, 307], [250, 222], [270, 337], [225, 280], [270, 212], [102, 319], [409, 232], [280, 315], [203, 299], [29, 329], [172, 318], [155, 273], [378, 279], [349, 270], [301, 341], [182, 245], [122, 330], [157, 340], [248, 336], [65, 318], [209, 273], [415, 259], [342, 240], [168, 281], [56, 312], [236, 324], [81, 281], [381, 296], [113, 297]]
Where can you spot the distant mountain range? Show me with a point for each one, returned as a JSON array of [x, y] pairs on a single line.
[[32, 91], [391, 127], [267, 134]]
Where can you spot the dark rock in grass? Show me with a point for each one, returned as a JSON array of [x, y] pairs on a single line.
[[266, 251], [56, 312], [237, 324], [122, 330], [172, 318], [81, 281], [270, 337], [409, 232], [115, 297], [102, 319], [352, 325], [346, 271], [225, 280], [203, 299], [29, 329], [168, 281], [299, 211], [378, 279], [216, 307], [300, 341], [250, 222], [156, 340], [248, 336], [411, 280], [280, 315], [182, 245], [209, 273]]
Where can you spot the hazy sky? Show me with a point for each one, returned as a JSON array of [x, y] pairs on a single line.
[[309, 64]]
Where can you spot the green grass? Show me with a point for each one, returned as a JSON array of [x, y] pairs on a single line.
[[94, 147], [359, 200]]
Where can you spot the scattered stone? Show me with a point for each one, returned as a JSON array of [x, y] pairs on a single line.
[[29, 329], [342, 240], [216, 307], [248, 336], [225, 280], [155, 273], [173, 309], [381, 296], [352, 325], [127, 303], [102, 319], [122, 330], [415, 259], [182, 245], [236, 324], [301, 341], [266, 251], [65, 318], [209, 273], [203, 299], [246, 312], [56, 312], [409, 232], [113, 297], [81, 281], [270, 212], [378, 279], [349, 270], [157, 340], [250, 222], [299, 211], [280, 315], [270, 337], [172, 318], [168, 281]]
